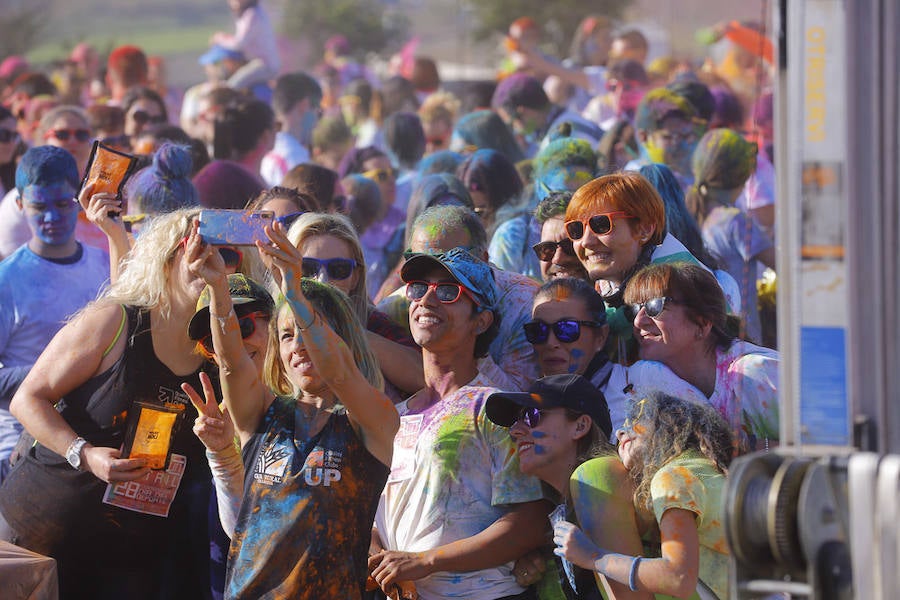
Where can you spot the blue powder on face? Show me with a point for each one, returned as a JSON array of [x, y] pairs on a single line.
[[538, 434], [538, 449]]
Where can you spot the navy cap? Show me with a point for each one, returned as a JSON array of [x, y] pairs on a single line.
[[570, 391]]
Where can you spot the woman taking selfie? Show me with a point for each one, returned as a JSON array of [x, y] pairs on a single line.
[[317, 450]]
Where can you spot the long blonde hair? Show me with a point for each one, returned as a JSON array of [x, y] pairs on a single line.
[[338, 226], [336, 309], [144, 275]]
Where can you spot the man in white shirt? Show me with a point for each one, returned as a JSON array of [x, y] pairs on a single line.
[[296, 101]]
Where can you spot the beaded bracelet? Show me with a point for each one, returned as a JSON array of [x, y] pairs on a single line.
[[632, 574]]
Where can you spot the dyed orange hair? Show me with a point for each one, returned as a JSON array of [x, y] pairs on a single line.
[[627, 191], [128, 64]]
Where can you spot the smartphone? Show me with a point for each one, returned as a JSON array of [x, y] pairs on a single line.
[[222, 227]]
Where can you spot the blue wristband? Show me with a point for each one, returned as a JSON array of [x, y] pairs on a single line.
[[632, 574]]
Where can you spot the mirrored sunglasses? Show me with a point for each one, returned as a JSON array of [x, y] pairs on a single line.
[[565, 330], [601, 224], [530, 416], [545, 251], [335, 268], [652, 307]]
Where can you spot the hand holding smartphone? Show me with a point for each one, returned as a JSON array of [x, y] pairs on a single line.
[[222, 227]]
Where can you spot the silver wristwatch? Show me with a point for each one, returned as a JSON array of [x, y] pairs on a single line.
[[73, 453]]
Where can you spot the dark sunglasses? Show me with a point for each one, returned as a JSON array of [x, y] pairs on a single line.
[[436, 142], [336, 268], [446, 292], [232, 257], [545, 251], [600, 224], [529, 415], [8, 135], [288, 220], [565, 330], [653, 307], [63, 135], [247, 324], [142, 117]]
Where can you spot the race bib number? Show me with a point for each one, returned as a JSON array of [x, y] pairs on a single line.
[[152, 494], [403, 465]]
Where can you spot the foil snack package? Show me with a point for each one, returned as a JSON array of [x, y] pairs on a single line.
[[150, 431]]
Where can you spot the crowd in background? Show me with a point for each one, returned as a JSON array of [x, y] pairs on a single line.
[[480, 304]]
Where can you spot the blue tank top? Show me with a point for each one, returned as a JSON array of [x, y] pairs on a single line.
[[309, 502]]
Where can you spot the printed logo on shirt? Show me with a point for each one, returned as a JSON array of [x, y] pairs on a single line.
[[323, 467], [272, 464], [173, 398]]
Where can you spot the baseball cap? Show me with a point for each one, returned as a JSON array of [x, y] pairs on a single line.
[[570, 391], [218, 53], [242, 290], [473, 274]]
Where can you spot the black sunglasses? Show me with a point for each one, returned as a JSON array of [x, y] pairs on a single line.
[[247, 323], [653, 307], [529, 415], [565, 330], [336, 268], [8, 135], [63, 135], [232, 256], [117, 140], [142, 117], [545, 251]]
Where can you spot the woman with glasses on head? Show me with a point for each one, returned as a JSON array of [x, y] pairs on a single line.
[[332, 254], [676, 453], [680, 323], [561, 430], [131, 346], [319, 447]]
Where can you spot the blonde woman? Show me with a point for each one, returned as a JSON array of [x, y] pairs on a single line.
[[332, 254], [129, 346], [317, 450]]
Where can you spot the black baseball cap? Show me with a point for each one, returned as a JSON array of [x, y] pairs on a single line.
[[242, 290], [570, 391]]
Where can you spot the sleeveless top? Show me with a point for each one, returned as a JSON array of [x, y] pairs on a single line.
[[309, 503], [58, 511]]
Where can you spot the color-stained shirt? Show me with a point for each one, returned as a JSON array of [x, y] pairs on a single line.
[[309, 502], [454, 473], [37, 296], [746, 392], [510, 364], [692, 482], [510, 247]]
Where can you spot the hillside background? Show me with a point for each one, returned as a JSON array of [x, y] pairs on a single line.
[[179, 30]]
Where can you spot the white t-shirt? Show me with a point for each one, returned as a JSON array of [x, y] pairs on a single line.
[[453, 474]]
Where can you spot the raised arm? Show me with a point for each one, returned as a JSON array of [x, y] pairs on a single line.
[[72, 357], [105, 211], [243, 392], [370, 410]]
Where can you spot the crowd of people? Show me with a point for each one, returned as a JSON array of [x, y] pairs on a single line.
[[500, 340]]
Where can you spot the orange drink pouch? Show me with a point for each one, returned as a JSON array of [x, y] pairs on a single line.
[[107, 170], [149, 431]]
